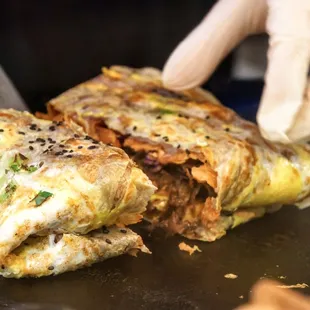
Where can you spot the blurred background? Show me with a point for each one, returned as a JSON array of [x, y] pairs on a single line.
[[49, 46]]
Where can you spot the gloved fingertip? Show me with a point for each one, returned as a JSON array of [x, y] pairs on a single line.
[[179, 77], [171, 78], [270, 130]]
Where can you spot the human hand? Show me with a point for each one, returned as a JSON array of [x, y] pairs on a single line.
[[284, 112], [267, 295]]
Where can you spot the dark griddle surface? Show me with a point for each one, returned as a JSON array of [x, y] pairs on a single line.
[[278, 245]]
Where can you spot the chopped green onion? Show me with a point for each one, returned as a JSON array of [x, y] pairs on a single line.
[[31, 168], [18, 162], [15, 167], [41, 197], [166, 111], [8, 192]]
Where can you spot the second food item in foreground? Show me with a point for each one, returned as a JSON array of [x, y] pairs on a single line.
[[212, 168]]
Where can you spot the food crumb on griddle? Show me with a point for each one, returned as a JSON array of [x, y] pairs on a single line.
[[231, 276], [298, 285], [241, 297], [282, 277], [187, 248]]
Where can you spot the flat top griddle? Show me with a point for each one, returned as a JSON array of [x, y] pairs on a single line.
[[277, 245]]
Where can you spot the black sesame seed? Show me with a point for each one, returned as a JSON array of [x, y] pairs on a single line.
[[50, 146], [178, 146], [187, 152], [105, 230], [157, 135], [58, 238], [207, 137], [88, 138], [226, 129], [45, 151], [22, 157], [21, 133], [59, 123], [49, 139], [1, 130], [53, 141], [40, 140], [69, 156], [76, 136], [52, 128], [124, 231], [41, 164], [42, 144], [39, 129], [2, 267], [80, 146], [65, 151], [158, 117], [51, 268], [166, 138], [71, 151], [108, 241], [61, 145], [134, 128], [207, 117], [91, 147], [31, 148], [95, 142], [58, 153], [30, 142]]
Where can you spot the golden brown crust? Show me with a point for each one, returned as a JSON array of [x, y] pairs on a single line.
[[226, 154]]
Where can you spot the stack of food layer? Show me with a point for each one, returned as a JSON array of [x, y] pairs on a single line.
[[212, 168]]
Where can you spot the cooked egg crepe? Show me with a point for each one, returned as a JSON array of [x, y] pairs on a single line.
[[56, 180], [212, 168], [58, 253]]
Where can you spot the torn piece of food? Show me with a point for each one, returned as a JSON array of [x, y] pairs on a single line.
[[298, 285], [230, 276], [55, 180], [187, 248], [212, 168]]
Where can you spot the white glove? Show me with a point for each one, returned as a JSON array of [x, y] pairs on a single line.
[[284, 112]]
